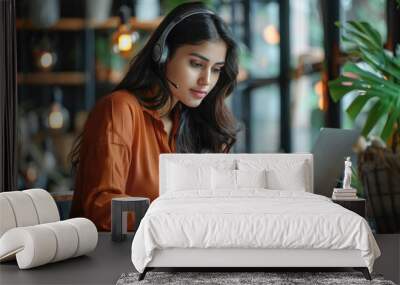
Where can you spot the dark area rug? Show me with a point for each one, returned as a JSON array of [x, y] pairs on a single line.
[[229, 278]]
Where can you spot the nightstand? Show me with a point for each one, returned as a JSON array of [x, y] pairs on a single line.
[[119, 210], [356, 205]]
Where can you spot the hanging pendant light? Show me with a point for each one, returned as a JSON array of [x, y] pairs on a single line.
[[57, 117], [44, 54], [124, 37]]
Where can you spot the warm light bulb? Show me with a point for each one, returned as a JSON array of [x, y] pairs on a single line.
[[125, 42], [56, 119], [271, 35], [319, 90], [31, 174], [46, 60]]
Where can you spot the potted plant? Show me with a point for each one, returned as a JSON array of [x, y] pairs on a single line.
[[373, 75]]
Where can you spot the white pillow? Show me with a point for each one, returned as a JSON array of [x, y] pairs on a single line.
[[291, 180], [235, 179], [251, 178], [285, 174], [223, 179], [182, 177]]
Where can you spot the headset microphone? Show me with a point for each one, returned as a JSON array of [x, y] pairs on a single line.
[[173, 84]]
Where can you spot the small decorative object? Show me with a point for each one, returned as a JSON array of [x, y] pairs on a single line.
[[124, 38], [347, 174], [346, 192]]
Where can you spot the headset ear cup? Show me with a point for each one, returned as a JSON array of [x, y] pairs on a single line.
[[164, 55], [160, 49], [157, 53]]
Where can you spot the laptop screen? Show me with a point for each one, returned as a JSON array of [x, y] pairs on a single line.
[[330, 151]]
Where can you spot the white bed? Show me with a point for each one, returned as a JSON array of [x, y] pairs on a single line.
[[247, 210]]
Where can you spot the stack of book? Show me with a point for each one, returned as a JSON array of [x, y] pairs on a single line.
[[340, 193]]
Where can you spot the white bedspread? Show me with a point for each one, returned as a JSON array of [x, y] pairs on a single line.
[[250, 218]]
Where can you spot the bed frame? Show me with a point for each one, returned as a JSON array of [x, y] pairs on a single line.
[[242, 259]]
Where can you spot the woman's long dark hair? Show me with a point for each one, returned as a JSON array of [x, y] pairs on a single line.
[[209, 127]]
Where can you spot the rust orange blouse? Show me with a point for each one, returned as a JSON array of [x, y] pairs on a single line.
[[119, 156]]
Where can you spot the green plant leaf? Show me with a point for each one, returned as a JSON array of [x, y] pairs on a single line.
[[344, 85], [383, 95], [356, 40], [338, 90], [394, 115], [369, 77], [379, 110], [358, 35], [379, 62], [357, 105], [365, 28], [379, 80]]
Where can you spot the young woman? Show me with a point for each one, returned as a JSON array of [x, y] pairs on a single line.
[[171, 100]]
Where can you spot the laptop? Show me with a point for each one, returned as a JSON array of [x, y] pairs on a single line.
[[330, 151]]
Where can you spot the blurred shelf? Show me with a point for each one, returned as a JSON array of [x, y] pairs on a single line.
[[77, 24], [111, 80], [107, 82], [113, 23], [47, 78], [62, 196]]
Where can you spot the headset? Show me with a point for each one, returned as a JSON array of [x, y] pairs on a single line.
[[160, 49]]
